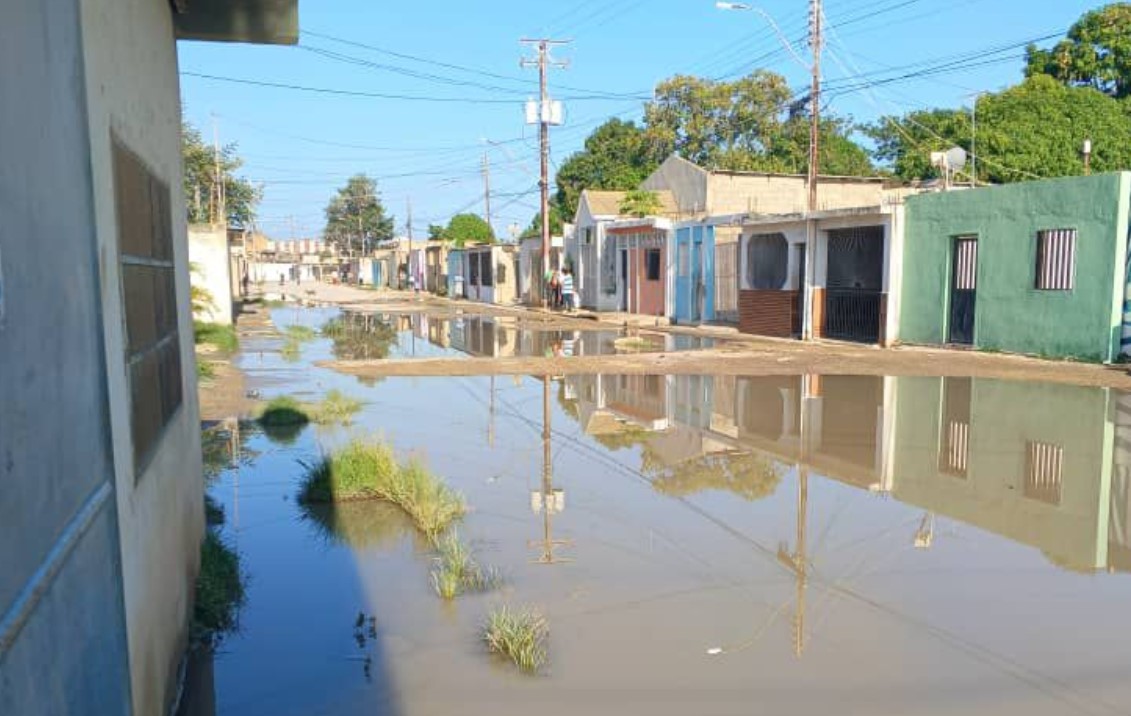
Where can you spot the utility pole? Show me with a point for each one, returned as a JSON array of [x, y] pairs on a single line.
[[216, 197], [487, 187], [408, 220], [815, 42], [543, 62]]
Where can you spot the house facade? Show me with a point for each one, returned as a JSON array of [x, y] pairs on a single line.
[[826, 274], [489, 273], [104, 526], [1036, 267], [643, 269]]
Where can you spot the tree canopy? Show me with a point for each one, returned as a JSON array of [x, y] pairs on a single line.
[[466, 229], [1096, 53], [1032, 130], [616, 157], [640, 203], [240, 195], [355, 216]]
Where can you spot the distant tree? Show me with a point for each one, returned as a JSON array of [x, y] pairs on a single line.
[[616, 157], [641, 203], [1032, 130], [240, 195], [436, 232], [466, 229], [1096, 53], [355, 216], [535, 228]]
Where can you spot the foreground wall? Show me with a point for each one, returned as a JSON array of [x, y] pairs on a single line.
[[132, 86], [62, 624], [1011, 314]]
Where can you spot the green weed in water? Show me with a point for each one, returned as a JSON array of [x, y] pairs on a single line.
[[336, 407], [220, 591], [456, 571], [369, 471], [291, 350], [519, 636], [283, 410], [299, 333]]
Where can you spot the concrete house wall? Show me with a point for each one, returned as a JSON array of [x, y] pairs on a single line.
[[63, 648], [1010, 313], [211, 270], [132, 89]]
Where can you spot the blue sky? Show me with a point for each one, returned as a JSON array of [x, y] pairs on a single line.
[[303, 145]]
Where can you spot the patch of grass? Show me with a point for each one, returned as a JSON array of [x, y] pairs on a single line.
[[205, 370], [336, 407], [291, 350], [519, 636], [299, 333], [214, 334], [213, 511], [283, 410], [220, 591], [369, 471], [456, 571]]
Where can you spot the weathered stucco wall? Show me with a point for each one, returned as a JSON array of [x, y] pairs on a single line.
[[62, 632], [211, 270], [1010, 313], [132, 90]]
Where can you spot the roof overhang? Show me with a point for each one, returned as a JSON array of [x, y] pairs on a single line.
[[262, 22]]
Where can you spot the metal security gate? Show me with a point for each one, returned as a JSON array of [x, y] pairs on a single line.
[[963, 290], [854, 295]]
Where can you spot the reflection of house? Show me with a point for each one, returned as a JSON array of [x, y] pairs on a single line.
[[482, 337], [1040, 464], [102, 480], [1037, 267]]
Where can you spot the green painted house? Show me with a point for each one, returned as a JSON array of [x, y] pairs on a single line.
[[1037, 267]]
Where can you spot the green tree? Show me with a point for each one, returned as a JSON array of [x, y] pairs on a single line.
[[616, 156], [640, 203], [240, 195], [355, 217], [1096, 53], [1033, 130], [466, 229], [556, 223], [436, 232]]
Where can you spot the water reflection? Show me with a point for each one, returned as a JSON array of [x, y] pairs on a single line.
[[1044, 465], [358, 525], [410, 335]]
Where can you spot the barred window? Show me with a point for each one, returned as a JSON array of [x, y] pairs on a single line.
[[153, 352], [652, 260], [485, 273], [1056, 260]]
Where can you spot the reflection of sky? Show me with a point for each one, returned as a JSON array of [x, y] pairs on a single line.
[[976, 624]]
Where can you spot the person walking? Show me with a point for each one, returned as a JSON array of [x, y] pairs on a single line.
[[567, 289]]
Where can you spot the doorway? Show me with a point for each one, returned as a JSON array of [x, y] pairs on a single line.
[[963, 290]]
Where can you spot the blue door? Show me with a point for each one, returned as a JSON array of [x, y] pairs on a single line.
[[705, 292], [683, 274]]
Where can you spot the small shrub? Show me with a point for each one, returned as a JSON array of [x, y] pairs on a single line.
[[223, 338], [456, 571], [205, 370], [220, 591], [336, 407], [519, 636], [283, 410], [300, 333], [369, 471], [291, 350]]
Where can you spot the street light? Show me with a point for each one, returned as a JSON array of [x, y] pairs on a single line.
[[766, 16]]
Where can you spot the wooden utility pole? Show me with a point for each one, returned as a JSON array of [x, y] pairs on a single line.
[[543, 61], [815, 42], [487, 187]]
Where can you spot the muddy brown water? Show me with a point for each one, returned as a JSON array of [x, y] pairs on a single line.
[[719, 545]]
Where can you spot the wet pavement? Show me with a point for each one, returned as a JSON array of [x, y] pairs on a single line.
[[714, 545]]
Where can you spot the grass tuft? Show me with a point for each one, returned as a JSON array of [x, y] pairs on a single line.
[[456, 571], [369, 471], [299, 333], [519, 636], [283, 410], [205, 370], [336, 407], [213, 511], [214, 334], [220, 591], [291, 350]]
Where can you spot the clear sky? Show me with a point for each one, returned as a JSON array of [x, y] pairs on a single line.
[[301, 145]]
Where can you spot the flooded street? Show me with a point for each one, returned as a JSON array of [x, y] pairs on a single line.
[[698, 544]]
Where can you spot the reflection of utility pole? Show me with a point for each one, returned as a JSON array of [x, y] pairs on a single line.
[[548, 500], [491, 416], [797, 559]]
